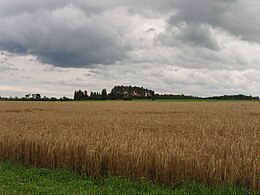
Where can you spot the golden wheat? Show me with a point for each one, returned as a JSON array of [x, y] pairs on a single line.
[[216, 143]]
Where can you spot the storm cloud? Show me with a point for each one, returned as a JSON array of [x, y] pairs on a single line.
[[239, 17], [65, 37], [79, 33]]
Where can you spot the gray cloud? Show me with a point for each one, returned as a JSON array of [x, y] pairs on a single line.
[[189, 34], [68, 33], [239, 17], [79, 33], [199, 36], [64, 37]]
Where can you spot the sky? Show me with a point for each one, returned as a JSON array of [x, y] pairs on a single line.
[[202, 47]]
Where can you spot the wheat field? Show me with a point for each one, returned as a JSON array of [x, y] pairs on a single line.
[[217, 143]]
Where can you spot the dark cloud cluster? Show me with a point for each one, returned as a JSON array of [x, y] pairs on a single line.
[[79, 33], [190, 35], [239, 17], [62, 34]]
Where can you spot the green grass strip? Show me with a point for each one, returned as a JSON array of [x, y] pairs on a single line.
[[16, 179]]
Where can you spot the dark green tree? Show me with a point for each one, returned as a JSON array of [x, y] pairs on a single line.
[[36, 96], [104, 94], [79, 95]]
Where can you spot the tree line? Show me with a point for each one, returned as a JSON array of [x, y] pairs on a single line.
[[233, 97], [123, 93], [129, 93], [34, 97]]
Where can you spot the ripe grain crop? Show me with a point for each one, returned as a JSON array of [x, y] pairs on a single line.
[[168, 142]]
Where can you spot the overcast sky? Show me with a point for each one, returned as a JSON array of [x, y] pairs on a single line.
[[198, 47]]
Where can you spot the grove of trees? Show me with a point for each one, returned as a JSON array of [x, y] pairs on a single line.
[[117, 93]]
